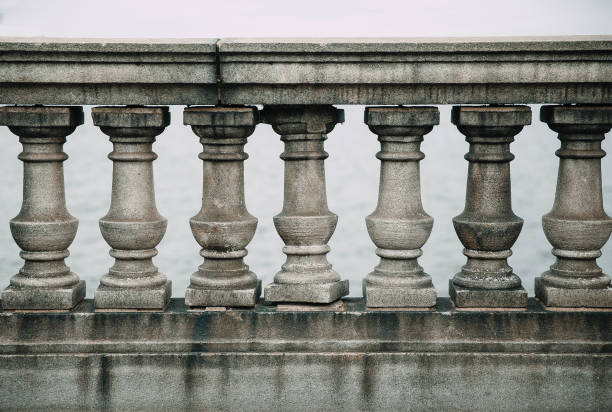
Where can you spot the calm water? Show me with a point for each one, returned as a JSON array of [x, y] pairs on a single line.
[[352, 185]]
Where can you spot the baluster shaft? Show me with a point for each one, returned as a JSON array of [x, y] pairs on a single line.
[[132, 227], [305, 224], [43, 229], [488, 227], [223, 227], [399, 226], [577, 226]]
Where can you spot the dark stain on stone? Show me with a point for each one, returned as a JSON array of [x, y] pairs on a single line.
[[279, 374], [202, 325], [368, 380], [339, 368], [104, 382], [189, 365], [83, 381], [225, 383]]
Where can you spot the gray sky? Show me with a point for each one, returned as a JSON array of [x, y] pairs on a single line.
[[248, 18]]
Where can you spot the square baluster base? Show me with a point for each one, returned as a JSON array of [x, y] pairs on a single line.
[[487, 298], [43, 298], [140, 299], [306, 293], [197, 297], [398, 297], [572, 298]]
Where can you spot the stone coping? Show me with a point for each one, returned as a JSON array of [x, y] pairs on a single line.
[[500, 70]]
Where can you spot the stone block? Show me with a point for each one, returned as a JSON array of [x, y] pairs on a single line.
[[309, 293], [65, 298], [398, 297], [573, 298], [487, 298], [198, 297], [149, 298]]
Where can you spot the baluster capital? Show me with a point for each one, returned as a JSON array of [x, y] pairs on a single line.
[[222, 122], [302, 119], [587, 120], [43, 229], [41, 121], [130, 121], [490, 121], [401, 120]]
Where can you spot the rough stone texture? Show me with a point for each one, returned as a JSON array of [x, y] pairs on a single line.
[[305, 224], [263, 359], [43, 229], [399, 226], [575, 69], [487, 227], [223, 227], [132, 227], [577, 226]]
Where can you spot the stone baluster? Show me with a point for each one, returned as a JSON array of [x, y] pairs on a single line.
[[399, 226], [132, 227], [305, 224], [43, 229], [577, 226], [488, 228], [223, 227]]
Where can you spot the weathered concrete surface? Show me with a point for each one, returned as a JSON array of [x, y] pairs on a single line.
[[525, 70], [262, 359]]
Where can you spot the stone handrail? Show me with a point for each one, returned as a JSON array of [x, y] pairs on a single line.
[[488, 320], [511, 70]]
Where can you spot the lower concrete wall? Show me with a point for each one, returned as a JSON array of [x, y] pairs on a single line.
[[313, 381], [519, 364]]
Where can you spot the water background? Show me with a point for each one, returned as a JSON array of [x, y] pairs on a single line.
[[352, 174]]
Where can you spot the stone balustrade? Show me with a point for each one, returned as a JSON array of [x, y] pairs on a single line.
[[577, 226], [230, 86]]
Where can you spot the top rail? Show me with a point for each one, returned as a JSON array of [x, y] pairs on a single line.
[[493, 70]]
